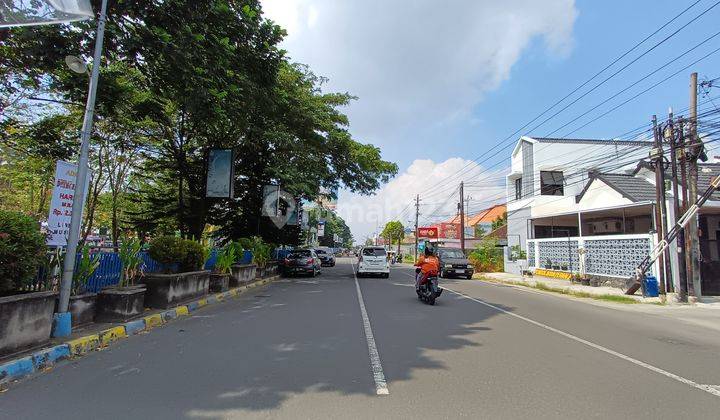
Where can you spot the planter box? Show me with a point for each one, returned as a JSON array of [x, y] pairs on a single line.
[[242, 274], [270, 269], [169, 290], [119, 304], [219, 282], [25, 320], [82, 309]]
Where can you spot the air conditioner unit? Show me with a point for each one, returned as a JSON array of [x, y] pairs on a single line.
[[607, 226]]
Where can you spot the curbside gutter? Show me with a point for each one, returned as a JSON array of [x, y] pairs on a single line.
[[42, 360]]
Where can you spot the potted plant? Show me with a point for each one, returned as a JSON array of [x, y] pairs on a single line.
[[183, 278], [244, 270], [261, 256], [220, 277], [126, 300], [26, 315]]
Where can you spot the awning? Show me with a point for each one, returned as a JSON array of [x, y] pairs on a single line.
[[42, 12]]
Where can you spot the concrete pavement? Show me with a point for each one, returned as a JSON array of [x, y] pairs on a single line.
[[298, 348]]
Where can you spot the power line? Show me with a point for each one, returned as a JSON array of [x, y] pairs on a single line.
[[588, 81]]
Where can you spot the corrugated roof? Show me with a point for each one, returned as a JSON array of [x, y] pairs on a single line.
[[499, 233]]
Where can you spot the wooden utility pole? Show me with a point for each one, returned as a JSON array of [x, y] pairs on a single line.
[[680, 245], [417, 216], [693, 153], [657, 157], [462, 219]]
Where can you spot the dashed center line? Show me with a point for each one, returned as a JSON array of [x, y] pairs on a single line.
[[381, 387]]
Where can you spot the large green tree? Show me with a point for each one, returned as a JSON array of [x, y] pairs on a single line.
[[179, 78]]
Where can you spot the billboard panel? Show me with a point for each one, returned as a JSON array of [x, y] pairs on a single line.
[[220, 173], [427, 232]]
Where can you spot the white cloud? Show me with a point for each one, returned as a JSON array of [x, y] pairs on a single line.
[[419, 67], [395, 201], [413, 62]]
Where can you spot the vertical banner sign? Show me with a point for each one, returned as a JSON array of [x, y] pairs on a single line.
[[61, 203], [271, 200], [220, 173], [321, 229]]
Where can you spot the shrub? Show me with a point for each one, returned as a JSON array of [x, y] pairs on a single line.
[[487, 257], [195, 255], [131, 261], [226, 257], [167, 250], [84, 269], [22, 250]]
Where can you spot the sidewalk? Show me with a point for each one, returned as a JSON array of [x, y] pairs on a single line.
[[705, 314], [565, 287]]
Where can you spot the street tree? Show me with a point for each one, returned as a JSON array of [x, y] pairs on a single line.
[[394, 231]]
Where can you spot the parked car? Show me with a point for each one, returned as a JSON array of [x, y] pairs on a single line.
[[373, 260], [302, 261], [454, 263], [327, 259]]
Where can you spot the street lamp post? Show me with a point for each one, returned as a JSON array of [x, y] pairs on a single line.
[[62, 326]]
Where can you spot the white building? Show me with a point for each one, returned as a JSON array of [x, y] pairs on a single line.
[[547, 174], [588, 206]]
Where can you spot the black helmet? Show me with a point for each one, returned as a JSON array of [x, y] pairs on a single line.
[[428, 250]]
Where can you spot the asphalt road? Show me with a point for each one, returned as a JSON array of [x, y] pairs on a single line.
[[300, 348]]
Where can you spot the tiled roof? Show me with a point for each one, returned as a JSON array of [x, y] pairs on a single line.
[[487, 215], [593, 141], [633, 188], [629, 186], [706, 173]]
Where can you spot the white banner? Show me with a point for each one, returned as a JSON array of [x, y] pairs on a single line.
[[61, 203], [41, 12], [320, 229]]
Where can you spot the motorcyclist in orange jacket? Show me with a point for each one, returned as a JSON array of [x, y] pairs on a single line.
[[428, 265]]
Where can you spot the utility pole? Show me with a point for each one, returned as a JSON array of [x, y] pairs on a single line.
[[694, 151], [680, 244], [685, 201], [462, 218], [657, 157], [63, 319], [670, 286], [417, 216]]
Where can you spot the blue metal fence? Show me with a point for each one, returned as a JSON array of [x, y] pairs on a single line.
[[108, 271]]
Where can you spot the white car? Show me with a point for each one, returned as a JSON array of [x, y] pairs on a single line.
[[373, 260]]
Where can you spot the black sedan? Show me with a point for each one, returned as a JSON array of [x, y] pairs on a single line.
[[327, 258], [302, 261]]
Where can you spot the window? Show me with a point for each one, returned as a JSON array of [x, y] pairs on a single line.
[[551, 183], [451, 253], [518, 188], [373, 252], [300, 253]]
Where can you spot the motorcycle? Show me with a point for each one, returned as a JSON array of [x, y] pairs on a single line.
[[429, 291]]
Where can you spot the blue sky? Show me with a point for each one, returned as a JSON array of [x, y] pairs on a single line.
[[438, 87]]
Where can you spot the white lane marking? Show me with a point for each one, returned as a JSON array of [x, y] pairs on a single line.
[[381, 387], [707, 388]]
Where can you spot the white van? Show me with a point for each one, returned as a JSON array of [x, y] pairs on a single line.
[[373, 260]]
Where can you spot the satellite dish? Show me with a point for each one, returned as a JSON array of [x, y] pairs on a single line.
[[76, 64]]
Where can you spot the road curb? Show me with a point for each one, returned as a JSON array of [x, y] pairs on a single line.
[[43, 359]]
